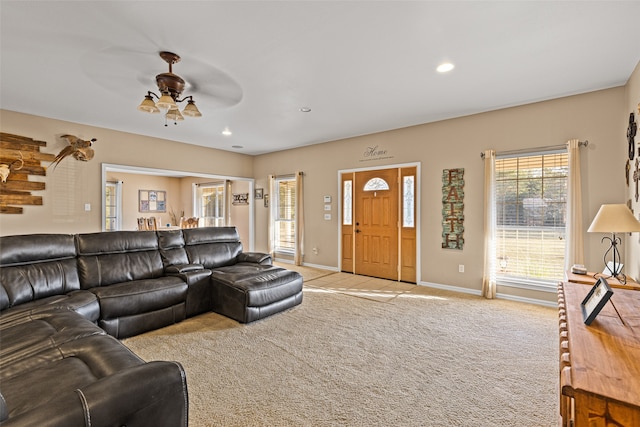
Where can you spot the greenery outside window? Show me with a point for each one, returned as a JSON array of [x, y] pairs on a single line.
[[531, 194]]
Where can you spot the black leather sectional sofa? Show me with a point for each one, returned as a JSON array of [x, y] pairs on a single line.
[[66, 299]]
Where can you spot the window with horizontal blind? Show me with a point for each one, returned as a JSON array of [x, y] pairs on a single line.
[[209, 204], [531, 194], [285, 212], [113, 205]]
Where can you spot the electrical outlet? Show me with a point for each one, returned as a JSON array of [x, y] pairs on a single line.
[[87, 207], [460, 268]]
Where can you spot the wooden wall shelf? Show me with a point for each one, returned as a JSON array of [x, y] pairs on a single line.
[[16, 192]]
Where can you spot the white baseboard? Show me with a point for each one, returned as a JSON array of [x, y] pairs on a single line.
[[321, 267], [527, 300], [499, 295], [306, 264], [451, 288]]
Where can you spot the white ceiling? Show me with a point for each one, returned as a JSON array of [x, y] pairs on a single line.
[[361, 66]]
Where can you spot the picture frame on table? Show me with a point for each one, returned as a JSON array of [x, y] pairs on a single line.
[[597, 297]]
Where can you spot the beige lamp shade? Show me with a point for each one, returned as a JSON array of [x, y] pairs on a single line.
[[191, 110], [174, 114], [166, 102], [614, 219], [148, 106]]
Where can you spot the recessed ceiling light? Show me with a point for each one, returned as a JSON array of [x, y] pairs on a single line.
[[305, 109], [445, 67], [237, 146], [226, 132]]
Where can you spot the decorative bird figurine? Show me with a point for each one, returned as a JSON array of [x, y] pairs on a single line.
[[78, 148]]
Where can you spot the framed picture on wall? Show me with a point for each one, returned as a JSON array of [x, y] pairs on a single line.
[[240, 199], [259, 193], [152, 201]]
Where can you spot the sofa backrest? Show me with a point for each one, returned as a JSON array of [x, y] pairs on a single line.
[[172, 251], [117, 256], [36, 266], [212, 246]]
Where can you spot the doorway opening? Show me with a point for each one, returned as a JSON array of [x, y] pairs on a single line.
[[181, 199]]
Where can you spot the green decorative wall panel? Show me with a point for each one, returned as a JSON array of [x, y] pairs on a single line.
[[453, 208]]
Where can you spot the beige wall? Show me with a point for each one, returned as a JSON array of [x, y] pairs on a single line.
[[457, 143], [631, 247], [73, 184]]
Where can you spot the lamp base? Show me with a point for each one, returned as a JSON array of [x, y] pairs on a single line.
[[616, 267]]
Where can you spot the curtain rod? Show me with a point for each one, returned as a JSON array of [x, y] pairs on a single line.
[[531, 150], [289, 175]]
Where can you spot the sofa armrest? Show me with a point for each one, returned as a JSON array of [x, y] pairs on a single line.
[[152, 394], [257, 257], [190, 273], [183, 268]]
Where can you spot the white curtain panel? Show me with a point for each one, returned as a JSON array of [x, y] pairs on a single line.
[[489, 274], [228, 199], [272, 206], [574, 250], [299, 222]]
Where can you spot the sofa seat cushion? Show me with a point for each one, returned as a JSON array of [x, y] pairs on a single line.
[[150, 394], [260, 284], [84, 303], [67, 367], [140, 296], [40, 332]]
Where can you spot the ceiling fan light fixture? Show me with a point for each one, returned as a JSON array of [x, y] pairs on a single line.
[[170, 86], [148, 106], [191, 110], [175, 115], [166, 102]]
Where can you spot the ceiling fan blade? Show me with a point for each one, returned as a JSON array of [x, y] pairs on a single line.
[[129, 71]]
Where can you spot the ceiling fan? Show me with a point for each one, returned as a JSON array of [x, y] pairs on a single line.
[[121, 70], [170, 86]]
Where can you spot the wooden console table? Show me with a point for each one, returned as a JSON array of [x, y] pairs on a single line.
[[600, 363], [592, 278]]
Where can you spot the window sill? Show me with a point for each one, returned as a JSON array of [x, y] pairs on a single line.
[[285, 251], [532, 285]]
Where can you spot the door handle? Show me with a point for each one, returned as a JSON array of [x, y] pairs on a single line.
[[357, 231]]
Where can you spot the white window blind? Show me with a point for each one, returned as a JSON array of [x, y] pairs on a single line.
[[285, 215], [531, 192]]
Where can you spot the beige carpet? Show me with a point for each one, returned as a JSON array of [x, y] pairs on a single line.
[[420, 357], [309, 273]]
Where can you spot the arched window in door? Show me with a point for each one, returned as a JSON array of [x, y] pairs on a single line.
[[376, 184]]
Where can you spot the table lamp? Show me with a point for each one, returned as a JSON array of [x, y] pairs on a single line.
[[614, 219]]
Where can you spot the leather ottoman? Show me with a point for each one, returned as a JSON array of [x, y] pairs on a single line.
[[246, 291]]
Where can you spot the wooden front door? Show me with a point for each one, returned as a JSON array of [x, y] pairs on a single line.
[[376, 223], [378, 236]]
